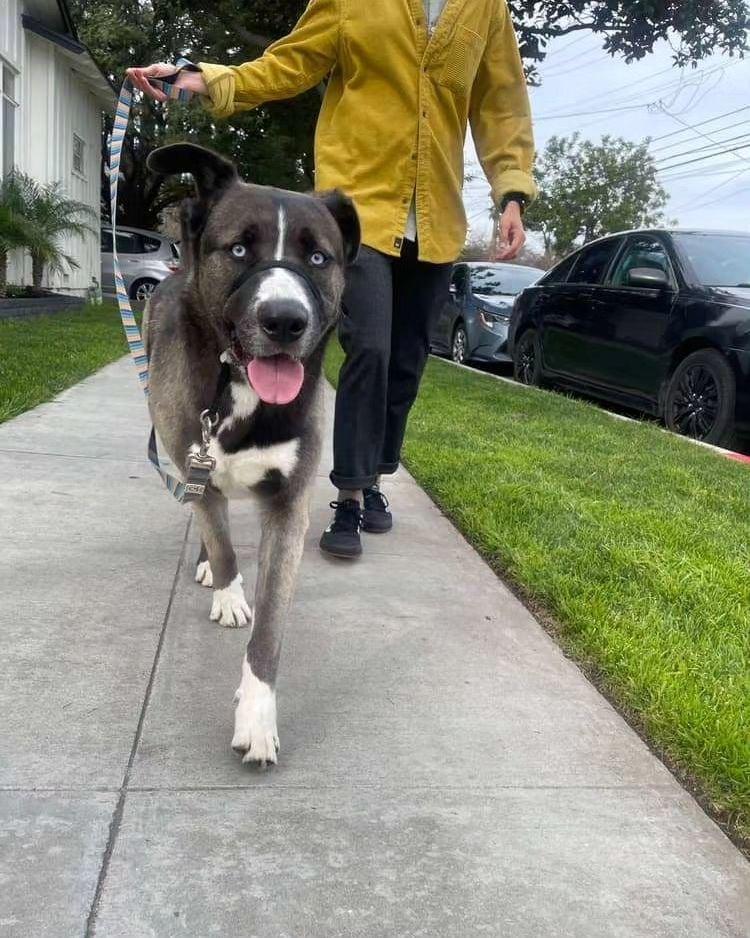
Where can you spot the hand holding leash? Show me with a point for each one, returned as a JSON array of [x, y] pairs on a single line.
[[190, 79]]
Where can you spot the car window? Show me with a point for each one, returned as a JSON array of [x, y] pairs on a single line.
[[592, 263], [719, 260], [458, 279], [150, 245], [106, 241], [560, 273], [175, 250], [640, 252], [502, 279], [129, 243]]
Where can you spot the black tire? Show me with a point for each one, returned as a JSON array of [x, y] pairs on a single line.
[[141, 290], [700, 398], [527, 361], [460, 344]]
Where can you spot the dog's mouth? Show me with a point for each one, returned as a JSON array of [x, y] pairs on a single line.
[[276, 379]]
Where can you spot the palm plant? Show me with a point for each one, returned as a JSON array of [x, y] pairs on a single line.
[[50, 217], [14, 226]]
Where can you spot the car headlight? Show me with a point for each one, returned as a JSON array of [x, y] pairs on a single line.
[[492, 319]]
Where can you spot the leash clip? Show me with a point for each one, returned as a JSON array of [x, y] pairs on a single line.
[[208, 423], [200, 465]]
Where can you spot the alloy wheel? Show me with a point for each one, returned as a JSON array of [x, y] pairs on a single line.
[[695, 406], [527, 361], [458, 351], [144, 290]]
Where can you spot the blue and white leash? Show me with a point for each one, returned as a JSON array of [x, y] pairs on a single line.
[[200, 464]]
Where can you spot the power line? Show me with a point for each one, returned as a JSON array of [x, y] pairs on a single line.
[[568, 45], [678, 83], [584, 63], [710, 120], [699, 133], [681, 143], [688, 207], [710, 146], [701, 159]]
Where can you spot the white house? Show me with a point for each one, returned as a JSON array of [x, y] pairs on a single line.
[[52, 95]]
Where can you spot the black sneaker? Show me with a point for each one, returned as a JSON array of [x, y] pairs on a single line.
[[341, 537], [376, 519]]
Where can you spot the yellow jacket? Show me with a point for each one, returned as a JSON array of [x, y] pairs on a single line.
[[393, 119]]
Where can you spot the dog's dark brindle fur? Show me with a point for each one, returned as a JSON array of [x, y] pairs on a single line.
[[220, 302]]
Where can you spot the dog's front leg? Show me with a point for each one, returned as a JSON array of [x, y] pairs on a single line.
[[217, 564], [282, 540]]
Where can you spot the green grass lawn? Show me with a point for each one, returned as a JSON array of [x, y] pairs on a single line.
[[42, 355], [634, 542]]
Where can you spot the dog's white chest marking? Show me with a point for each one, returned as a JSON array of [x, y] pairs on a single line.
[[236, 473], [244, 402]]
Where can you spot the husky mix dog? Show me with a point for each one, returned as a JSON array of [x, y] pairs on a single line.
[[240, 332]]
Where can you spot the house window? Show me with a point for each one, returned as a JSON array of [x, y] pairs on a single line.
[[7, 118], [78, 151]]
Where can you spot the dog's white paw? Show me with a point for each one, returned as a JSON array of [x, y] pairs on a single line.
[[203, 574], [255, 733], [229, 606]]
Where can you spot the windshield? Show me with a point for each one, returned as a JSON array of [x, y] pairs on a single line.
[[502, 281], [718, 260]]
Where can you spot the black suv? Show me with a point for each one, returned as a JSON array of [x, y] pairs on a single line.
[[656, 320]]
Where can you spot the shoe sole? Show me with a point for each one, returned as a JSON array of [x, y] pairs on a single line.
[[343, 554], [373, 530]]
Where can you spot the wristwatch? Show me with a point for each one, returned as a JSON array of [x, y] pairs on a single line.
[[518, 197]]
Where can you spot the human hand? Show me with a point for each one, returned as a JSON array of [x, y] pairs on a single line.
[[512, 233], [139, 77]]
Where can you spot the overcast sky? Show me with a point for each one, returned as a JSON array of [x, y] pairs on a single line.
[[654, 99]]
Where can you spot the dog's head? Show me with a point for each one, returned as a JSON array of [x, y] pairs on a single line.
[[267, 265]]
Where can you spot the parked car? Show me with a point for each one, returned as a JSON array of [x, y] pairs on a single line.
[[146, 258], [473, 321], [656, 320]]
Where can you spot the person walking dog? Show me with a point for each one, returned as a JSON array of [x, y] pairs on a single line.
[[404, 78]]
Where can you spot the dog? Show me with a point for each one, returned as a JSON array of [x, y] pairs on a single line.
[[240, 332]]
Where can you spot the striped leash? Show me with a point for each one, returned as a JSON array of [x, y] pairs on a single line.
[[200, 464]]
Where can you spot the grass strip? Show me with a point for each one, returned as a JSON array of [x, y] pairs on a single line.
[[41, 356]]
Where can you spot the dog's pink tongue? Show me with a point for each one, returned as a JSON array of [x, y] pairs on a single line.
[[276, 380]]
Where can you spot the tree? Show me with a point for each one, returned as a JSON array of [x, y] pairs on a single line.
[[51, 216], [14, 228], [270, 145], [631, 28], [589, 189]]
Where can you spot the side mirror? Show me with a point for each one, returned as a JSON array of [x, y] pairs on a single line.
[[649, 278]]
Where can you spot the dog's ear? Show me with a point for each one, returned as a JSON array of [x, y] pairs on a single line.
[[345, 214], [212, 175], [211, 172]]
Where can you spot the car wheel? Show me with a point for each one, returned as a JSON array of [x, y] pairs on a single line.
[[527, 364], [141, 290], [460, 344], [700, 398]]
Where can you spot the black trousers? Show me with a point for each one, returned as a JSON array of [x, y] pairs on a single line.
[[389, 305]]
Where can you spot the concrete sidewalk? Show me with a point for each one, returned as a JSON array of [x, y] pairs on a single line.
[[445, 770]]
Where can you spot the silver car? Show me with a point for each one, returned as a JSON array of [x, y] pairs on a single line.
[[472, 323], [146, 258]]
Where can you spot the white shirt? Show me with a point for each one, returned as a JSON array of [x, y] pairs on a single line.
[[433, 9]]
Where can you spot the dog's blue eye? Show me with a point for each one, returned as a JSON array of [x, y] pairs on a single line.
[[317, 259], [239, 250]]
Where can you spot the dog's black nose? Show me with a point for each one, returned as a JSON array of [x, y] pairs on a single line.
[[283, 322]]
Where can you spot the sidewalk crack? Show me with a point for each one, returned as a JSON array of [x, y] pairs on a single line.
[[114, 825]]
